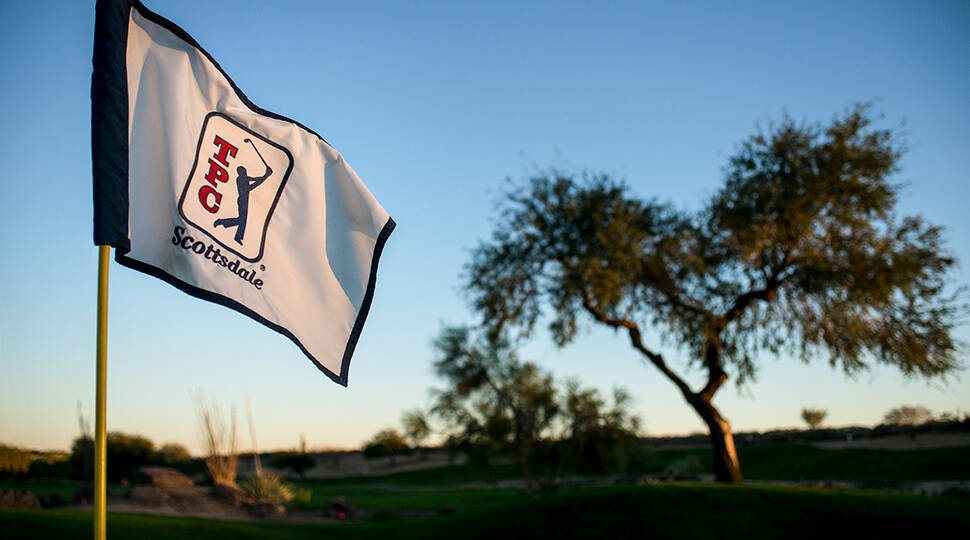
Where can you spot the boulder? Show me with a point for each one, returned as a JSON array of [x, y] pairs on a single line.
[[228, 494], [84, 494], [268, 510], [149, 495], [51, 500], [18, 499], [162, 477], [340, 508]]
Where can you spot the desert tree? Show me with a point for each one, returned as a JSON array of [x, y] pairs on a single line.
[[416, 426], [601, 437], [814, 417], [491, 399], [386, 443], [801, 250], [908, 415]]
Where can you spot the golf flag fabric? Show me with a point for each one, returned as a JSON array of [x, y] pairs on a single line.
[[196, 185]]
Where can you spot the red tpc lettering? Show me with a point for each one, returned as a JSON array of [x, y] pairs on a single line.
[[216, 173], [224, 149], [204, 193]]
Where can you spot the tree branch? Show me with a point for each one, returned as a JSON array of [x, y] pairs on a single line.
[[636, 339], [716, 376]]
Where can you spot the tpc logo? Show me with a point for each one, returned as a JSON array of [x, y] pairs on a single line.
[[235, 183]]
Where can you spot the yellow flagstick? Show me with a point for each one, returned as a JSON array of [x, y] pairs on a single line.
[[100, 438]]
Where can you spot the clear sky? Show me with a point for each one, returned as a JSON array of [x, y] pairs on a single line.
[[434, 104]]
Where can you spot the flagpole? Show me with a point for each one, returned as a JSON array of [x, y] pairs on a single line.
[[100, 438]]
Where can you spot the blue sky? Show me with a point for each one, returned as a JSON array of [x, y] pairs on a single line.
[[434, 104]]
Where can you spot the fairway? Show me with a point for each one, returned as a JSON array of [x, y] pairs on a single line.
[[655, 511]]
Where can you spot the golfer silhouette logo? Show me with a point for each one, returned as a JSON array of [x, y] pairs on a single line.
[[233, 162], [244, 184]]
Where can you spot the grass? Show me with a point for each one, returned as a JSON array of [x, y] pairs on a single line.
[[657, 511], [661, 511], [865, 467]]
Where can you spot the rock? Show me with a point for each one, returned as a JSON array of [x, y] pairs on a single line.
[[149, 495], [18, 499], [228, 494], [51, 500], [340, 508], [162, 477], [84, 494], [268, 510]]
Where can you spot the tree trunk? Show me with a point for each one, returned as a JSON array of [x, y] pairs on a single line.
[[727, 468]]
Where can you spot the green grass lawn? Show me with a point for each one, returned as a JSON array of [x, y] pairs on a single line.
[[655, 511], [865, 467], [658, 511]]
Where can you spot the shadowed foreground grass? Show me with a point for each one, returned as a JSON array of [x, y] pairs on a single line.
[[660, 511]]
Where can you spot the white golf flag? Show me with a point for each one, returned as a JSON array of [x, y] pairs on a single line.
[[196, 185]]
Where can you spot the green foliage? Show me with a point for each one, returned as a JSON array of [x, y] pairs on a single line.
[[814, 417], [124, 454], [386, 443], [267, 487], [416, 426], [908, 415], [492, 401], [599, 439], [302, 497], [298, 462], [13, 460], [172, 453], [801, 247]]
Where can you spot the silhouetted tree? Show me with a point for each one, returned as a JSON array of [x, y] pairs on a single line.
[[814, 417], [492, 399], [124, 454], [416, 427], [801, 250], [907, 415], [386, 443], [602, 438], [172, 453]]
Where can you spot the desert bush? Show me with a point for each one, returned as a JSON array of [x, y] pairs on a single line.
[[267, 487], [172, 453], [124, 454], [298, 462], [386, 443], [220, 442], [13, 460]]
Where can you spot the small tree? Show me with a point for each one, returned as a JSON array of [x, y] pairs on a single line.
[[124, 453], [416, 426], [386, 443], [801, 250], [491, 399], [814, 417], [908, 415], [602, 438]]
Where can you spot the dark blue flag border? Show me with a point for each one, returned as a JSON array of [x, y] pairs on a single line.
[[109, 148]]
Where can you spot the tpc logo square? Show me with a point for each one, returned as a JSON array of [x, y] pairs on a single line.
[[235, 183]]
